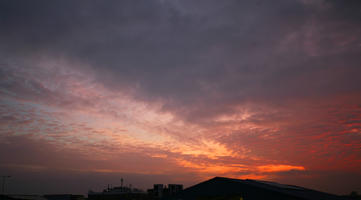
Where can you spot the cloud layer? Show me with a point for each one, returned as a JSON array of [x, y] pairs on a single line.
[[180, 91]]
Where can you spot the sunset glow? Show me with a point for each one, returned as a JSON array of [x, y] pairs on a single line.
[[180, 91]]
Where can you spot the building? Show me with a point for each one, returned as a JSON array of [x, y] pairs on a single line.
[[118, 193], [228, 189], [158, 190], [161, 191], [174, 189]]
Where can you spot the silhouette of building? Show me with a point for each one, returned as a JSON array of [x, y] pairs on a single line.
[[174, 189], [118, 193], [228, 189], [158, 190], [161, 191]]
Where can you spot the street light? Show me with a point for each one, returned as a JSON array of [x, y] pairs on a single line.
[[3, 188]]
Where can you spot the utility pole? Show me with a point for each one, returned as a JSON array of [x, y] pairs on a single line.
[[3, 185]]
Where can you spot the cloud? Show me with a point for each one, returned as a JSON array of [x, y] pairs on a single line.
[[242, 89], [279, 168], [191, 58]]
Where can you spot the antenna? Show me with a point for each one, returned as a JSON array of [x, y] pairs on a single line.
[[121, 182]]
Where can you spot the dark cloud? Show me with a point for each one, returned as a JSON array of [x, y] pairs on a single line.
[[293, 65], [192, 55], [349, 10]]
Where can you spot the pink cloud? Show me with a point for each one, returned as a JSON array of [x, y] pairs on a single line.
[[81, 121]]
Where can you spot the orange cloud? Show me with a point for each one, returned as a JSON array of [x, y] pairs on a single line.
[[279, 168]]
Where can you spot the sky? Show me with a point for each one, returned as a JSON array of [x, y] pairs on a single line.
[[179, 91]]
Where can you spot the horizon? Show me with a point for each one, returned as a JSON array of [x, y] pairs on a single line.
[[110, 186], [169, 91]]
